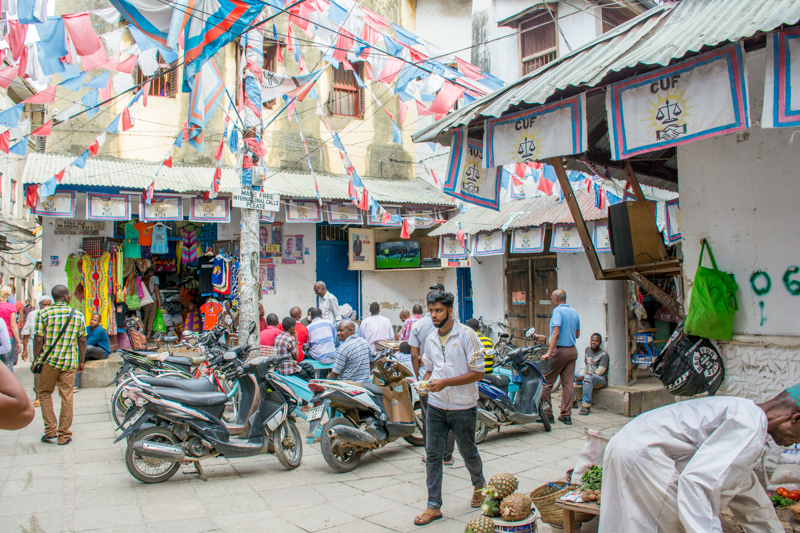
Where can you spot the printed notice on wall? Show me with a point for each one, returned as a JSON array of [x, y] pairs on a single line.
[[78, 227], [518, 298], [250, 199], [361, 249]]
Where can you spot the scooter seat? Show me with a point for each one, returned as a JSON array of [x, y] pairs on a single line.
[[188, 385], [499, 381], [374, 389], [195, 399], [175, 360]]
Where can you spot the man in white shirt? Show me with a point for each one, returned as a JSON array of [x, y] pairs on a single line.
[[377, 327], [328, 303], [27, 339]]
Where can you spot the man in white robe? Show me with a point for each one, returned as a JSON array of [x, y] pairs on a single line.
[[675, 468]]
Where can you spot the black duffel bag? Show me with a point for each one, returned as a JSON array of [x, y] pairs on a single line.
[[689, 365]]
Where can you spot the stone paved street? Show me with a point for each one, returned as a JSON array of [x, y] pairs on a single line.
[[85, 486]]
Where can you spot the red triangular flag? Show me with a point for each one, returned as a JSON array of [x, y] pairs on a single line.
[[546, 186], [355, 198], [168, 162], [401, 111], [145, 92], [45, 97], [279, 53], [127, 65], [31, 194], [460, 237], [422, 110], [517, 182], [218, 151], [60, 175], [469, 70], [351, 191], [94, 147], [44, 130], [151, 189], [364, 203], [127, 121], [404, 234], [519, 170], [5, 138], [588, 185]]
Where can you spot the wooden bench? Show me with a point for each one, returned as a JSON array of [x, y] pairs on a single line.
[[569, 512]]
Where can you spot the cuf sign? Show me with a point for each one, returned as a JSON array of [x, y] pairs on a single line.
[[250, 199]]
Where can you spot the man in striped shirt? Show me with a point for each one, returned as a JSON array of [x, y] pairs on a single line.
[[321, 338], [65, 358], [487, 344], [352, 356]]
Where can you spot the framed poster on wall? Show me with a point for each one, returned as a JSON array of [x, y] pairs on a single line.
[[527, 240], [211, 210], [343, 213], [108, 207], [361, 249], [489, 243], [565, 239], [60, 204], [303, 211], [450, 248], [600, 238], [377, 219], [162, 208]]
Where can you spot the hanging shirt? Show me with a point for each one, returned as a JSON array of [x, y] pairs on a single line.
[[189, 249], [132, 248], [205, 270], [211, 311], [145, 233], [160, 245], [676, 467]]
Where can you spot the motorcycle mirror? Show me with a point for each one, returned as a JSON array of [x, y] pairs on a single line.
[[530, 333], [229, 356]]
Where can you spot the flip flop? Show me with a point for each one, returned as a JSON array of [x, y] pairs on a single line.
[[427, 516], [46, 438], [477, 498]]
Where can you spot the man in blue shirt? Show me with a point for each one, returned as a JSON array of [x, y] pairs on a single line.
[[97, 345], [321, 338], [352, 356], [565, 328]]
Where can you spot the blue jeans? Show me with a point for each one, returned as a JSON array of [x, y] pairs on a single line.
[[439, 422], [590, 383]]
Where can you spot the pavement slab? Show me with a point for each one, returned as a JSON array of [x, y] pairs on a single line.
[[85, 486]]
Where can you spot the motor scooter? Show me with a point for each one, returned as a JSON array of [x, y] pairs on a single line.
[[365, 416], [172, 426], [495, 407]]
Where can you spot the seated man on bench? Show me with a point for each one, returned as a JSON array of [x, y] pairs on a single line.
[[593, 372], [352, 355], [286, 344]]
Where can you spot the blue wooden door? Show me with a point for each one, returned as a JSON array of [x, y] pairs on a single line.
[[332, 269], [464, 280]]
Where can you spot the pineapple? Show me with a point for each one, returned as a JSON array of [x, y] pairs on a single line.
[[491, 505], [515, 507], [503, 485], [482, 524]]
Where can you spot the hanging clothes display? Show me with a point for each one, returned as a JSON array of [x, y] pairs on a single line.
[[208, 234], [160, 245], [221, 274], [75, 282], [145, 233], [189, 235], [235, 284], [95, 274], [205, 268], [211, 311], [132, 248]]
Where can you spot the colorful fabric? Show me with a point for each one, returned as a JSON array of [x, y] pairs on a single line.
[[145, 233], [95, 272], [132, 248], [65, 354], [211, 311], [285, 344], [406, 331], [74, 276], [160, 245], [189, 249]]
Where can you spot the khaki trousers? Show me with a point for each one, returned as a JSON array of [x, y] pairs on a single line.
[[65, 381], [149, 316], [563, 364]]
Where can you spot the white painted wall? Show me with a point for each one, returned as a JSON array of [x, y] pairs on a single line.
[[446, 24], [488, 289], [741, 196], [578, 20], [395, 291]]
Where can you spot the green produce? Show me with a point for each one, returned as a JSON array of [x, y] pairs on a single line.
[[593, 478], [491, 506], [780, 501]]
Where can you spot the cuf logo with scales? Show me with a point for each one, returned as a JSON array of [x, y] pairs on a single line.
[[669, 111], [471, 182], [528, 140]]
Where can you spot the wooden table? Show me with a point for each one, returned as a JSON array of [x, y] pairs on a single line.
[[569, 512]]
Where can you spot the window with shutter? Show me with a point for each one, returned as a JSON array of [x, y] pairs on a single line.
[[538, 43], [270, 64], [165, 85], [615, 16], [347, 97]]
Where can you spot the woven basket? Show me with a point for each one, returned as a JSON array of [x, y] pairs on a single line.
[[545, 497]]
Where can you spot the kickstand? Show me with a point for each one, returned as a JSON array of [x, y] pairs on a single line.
[[198, 470]]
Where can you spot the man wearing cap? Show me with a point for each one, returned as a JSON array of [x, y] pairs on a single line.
[[675, 468]]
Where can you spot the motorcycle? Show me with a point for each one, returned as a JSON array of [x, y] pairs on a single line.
[[495, 407], [365, 416], [171, 426]]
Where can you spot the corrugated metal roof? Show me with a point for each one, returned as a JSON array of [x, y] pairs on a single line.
[[525, 213], [665, 33], [137, 175]]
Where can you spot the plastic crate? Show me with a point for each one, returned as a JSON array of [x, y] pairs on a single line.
[[645, 349]]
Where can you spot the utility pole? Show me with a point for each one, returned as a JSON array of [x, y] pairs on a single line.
[[251, 157]]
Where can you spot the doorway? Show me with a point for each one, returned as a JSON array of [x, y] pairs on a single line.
[[332, 266], [529, 283], [464, 285]]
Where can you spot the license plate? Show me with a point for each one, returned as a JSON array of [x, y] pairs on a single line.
[[315, 413]]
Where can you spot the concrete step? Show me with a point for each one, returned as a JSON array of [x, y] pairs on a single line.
[[100, 373], [631, 400]]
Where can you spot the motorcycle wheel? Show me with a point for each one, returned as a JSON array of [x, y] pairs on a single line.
[[543, 417], [288, 445], [148, 469], [481, 431], [339, 458], [418, 437], [120, 404]]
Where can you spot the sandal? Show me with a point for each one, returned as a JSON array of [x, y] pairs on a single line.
[[47, 438], [36, 403], [427, 516], [69, 439], [477, 497]]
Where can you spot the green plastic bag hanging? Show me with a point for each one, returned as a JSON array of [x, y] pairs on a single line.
[[158, 323], [713, 301]]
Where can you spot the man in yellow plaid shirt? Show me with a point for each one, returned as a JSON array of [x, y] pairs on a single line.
[[59, 363]]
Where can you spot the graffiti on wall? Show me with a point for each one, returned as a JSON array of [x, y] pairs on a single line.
[[761, 285]]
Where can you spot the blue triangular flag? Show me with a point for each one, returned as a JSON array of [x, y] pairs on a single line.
[[100, 82], [80, 162], [21, 148], [505, 179], [10, 117], [357, 179], [313, 94], [392, 46], [179, 139], [549, 173], [136, 98], [52, 37], [612, 198], [373, 207], [574, 176], [359, 81], [90, 101], [74, 83], [274, 33], [114, 126], [468, 99], [49, 65], [233, 141], [48, 188], [337, 13], [397, 138], [25, 10], [405, 36], [337, 142]]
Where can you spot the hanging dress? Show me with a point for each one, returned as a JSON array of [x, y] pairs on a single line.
[[132, 248], [189, 245], [95, 272], [160, 245]]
